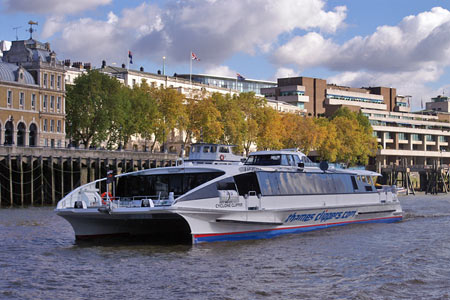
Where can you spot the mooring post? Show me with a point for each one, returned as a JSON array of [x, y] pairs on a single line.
[[62, 176], [52, 171], [11, 199], [71, 173], [41, 163], [19, 162], [32, 179]]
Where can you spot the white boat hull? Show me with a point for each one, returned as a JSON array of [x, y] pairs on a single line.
[[210, 225]]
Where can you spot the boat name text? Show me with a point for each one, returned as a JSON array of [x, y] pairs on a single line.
[[322, 217]]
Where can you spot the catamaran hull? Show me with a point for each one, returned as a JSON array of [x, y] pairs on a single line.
[[218, 225]]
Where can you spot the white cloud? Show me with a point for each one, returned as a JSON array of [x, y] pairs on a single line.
[[52, 6], [215, 30], [413, 44], [285, 72], [406, 56], [221, 71]]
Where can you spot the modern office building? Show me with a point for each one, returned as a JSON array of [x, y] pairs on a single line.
[[319, 98], [237, 83]]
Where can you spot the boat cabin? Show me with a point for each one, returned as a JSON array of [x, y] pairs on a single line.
[[278, 158], [213, 153]]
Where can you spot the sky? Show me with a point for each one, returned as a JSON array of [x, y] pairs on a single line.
[[403, 44]]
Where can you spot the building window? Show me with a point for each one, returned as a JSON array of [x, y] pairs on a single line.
[[52, 81], [45, 124], [52, 102], [134, 82], [33, 101], [401, 136], [415, 137], [52, 125], [429, 138], [9, 98], [46, 142], [441, 138], [58, 103], [45, 80], [45, 101], [58, 83], [58, 126], [22, 99], [58, 144]]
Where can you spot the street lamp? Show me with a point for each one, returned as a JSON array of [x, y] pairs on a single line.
[[164, 65]]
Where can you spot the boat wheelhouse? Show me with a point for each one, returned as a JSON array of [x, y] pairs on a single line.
[[203, 199]]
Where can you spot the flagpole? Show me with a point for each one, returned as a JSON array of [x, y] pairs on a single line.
[[190, 69]]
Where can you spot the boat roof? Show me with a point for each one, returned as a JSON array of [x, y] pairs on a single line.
[[274, 152]]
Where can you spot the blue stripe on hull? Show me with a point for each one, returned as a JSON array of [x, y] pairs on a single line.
[[264, 234]]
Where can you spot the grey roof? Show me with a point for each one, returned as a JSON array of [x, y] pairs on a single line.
[[8, 73]]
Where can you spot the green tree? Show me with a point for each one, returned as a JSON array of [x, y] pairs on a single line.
[[90, 104], [250, 105], [172, 113], [232, 119]]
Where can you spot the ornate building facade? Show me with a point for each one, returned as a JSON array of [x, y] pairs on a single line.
[[32, 96]]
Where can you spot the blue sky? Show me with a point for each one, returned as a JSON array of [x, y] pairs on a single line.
[[400, 43]]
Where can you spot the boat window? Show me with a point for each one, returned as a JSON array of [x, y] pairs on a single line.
[[211, 190], [264, 160], [198, 148], [213, 149], [159, 186], [205, 149], [226, 184], [290, 159], [297, 160], [246, 183], [294, 183], [355, 185], [224, 149], [284, 160]]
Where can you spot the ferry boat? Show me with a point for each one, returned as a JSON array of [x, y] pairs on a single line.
[[214, 196]]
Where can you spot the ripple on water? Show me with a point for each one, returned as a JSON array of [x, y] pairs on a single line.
[[40, 259]]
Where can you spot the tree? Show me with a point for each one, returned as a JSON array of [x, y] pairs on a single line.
[[270, 129], [250, 106], [172, 112], [205, 121], [232, 119], [90, 103]]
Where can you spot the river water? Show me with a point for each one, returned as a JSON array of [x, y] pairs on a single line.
[[39, 259]]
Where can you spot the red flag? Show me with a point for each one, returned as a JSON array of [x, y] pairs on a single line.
[[194, 57]]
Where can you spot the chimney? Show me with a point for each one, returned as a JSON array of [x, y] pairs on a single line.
[[103, 64], [77, 65], [159, 72], [123, 66], [67, 62], [142, 69], [87, 66]]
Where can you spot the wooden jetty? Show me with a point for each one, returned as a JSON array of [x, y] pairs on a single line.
[[42, 176]]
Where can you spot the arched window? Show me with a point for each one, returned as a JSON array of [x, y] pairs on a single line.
[[9, 133], [33, 136], [21, 134]]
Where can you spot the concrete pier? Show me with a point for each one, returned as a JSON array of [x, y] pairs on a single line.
[[42, 176]]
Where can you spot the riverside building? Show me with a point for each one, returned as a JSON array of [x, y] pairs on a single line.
[[32, 101], [417, 138]]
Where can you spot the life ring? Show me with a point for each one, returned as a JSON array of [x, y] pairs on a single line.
[[222, 157], [104, 198]]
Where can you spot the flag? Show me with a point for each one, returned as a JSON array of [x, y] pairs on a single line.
[[194, 57], [240, 77], [130, 56], [421, 103]]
